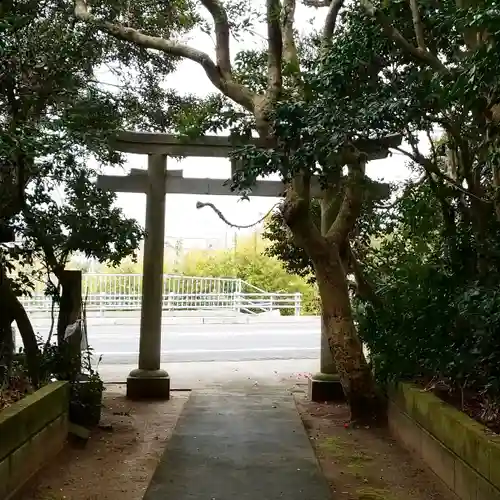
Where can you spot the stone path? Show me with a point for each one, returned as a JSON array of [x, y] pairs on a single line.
[[239, 445]]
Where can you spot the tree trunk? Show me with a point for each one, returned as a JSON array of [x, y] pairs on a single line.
[[346, 348], [324, 251], [330, 206], [13, 310], [6, 349]]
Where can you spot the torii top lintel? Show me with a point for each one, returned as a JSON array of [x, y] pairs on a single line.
[[220, 146], [207, 146]]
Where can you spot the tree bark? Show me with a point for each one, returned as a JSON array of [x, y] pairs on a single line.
[[6, 349], [330, 206], [13, 310], [347, 351], [346, 347]]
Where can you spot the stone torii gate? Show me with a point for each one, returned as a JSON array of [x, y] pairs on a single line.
[[148, 380]]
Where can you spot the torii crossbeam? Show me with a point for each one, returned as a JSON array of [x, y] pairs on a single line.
[[148, 380]]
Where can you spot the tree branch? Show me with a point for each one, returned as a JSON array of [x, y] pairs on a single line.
[[275, 48], [433, 147], [53, 265], [331, 19], [351, 203], [365, 288], [222, 50], [431, 168], [417, 25], [290, 55], [334, 7], [332, 199], [423, 56], [296, 213], [317, 3], [218, 75], [330, 206]]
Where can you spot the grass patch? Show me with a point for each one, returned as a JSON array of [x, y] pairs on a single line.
[[359, 458], [373, 494], [337, 448], [334, 445], [355, 467]]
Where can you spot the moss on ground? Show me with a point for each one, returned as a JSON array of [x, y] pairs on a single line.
[[369, 493]]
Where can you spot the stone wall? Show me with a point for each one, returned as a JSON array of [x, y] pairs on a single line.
[[464, 454], [32, 431]]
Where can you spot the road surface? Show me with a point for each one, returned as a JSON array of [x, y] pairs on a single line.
[[194, 340], [209, 351]]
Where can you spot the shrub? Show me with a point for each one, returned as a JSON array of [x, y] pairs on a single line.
[[439, 318]]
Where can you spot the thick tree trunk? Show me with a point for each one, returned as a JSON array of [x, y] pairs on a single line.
[[346, 348], [13, 310], [6, 349], [330, 206], [324, 251]]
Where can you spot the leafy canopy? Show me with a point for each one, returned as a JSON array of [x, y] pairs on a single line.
[[64, 91]]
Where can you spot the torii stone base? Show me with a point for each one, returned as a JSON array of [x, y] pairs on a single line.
[[324, 387], [148, 384]]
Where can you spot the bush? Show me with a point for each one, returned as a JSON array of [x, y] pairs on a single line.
[[439, 319], [58, 363], [250, 264], [437, 329]]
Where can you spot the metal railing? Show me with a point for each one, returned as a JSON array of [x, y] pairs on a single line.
[[122, 292]]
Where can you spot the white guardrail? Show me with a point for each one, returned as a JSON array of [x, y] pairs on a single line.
[[122, 292]]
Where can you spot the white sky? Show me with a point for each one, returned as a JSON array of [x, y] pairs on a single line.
[[183, 220]]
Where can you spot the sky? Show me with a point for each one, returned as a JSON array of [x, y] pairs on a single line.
[[183, 220]]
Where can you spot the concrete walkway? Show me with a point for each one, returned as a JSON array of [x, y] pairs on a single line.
[[239, 445]]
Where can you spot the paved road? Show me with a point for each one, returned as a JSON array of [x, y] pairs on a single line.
[[200, 352], [189, 339]]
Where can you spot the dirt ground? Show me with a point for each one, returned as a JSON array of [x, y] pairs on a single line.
[[117, 462], [364, 463]]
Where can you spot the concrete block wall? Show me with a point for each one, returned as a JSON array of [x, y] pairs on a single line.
[[32, 431], [462, 453]]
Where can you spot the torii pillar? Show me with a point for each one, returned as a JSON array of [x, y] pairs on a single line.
[[148, 381], [325, 385]]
